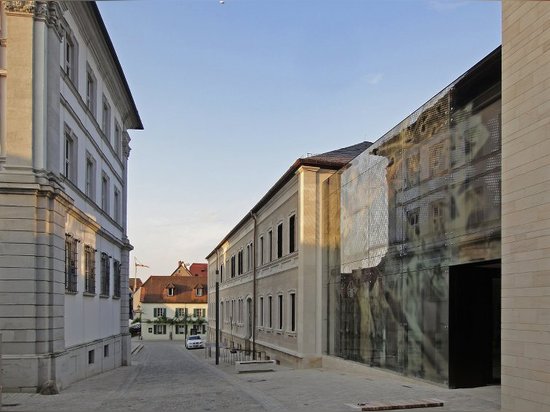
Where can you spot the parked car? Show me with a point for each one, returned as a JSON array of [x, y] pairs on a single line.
[[135, 329], [194, 342]]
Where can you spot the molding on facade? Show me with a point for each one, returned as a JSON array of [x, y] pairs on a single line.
[[126, 149], [20, 6]]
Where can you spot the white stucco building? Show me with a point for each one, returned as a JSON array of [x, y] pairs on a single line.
[[64, 115], [270, 267]]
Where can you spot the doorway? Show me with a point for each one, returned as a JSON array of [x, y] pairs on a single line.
[[474, 324]]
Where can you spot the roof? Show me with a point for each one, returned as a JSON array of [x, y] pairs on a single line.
[[199, 269], [181, 270], [333, 160], [138, 283], [155, 289]]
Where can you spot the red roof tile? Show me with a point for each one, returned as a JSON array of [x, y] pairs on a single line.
[[198, 269], [155, 289]]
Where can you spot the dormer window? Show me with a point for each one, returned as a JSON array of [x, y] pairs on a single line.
[[170, 289], [199, 291]]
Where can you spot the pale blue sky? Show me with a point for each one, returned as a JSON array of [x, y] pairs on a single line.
[[230, 95]]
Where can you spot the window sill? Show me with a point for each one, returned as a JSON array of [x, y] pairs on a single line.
[[104, 296], [71, 292], [115, 297], [90, 294], [291, 334]]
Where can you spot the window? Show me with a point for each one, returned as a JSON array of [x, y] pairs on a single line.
[[438, 219], [170, 291], [293, 312], [261, 312], [270, 244], [159, 312], [233, 266], [90, 90], [247, 258], [221, 273], [91, 357], [89, 269], [181, 329], [117, 139], [437, 161], [70, 263], [106, 351], [261, 250], [105, 192], [105, 274], [69, 169], [413, 170], [159, 329], [199, 291], [90, 176], [70, 61], [240, 262], [279, 240], [270, 311], [116, 205], [106, 118], [292, 234], [181, 312], [413, 228], [199, 313], [116, 278], [280, 309]]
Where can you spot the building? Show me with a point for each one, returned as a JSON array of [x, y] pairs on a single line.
[[65, 110], [414, 265], [525, 206], [174, 306], [134, 290], [269, 266], [199, 269]]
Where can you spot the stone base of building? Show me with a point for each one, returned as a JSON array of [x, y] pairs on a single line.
[[54, 372]]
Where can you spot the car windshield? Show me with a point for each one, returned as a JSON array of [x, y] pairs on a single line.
[[194, 337]]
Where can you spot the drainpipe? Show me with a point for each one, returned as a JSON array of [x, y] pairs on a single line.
[[253, 216]]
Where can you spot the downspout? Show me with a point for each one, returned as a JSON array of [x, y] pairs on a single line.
[[253, 216]]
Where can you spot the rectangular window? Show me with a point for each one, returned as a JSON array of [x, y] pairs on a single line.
[[89, 269], [106, 351], [221, 273], [181, 312], [199, 291], [292, 234], [293, 312], [233, 266], [247, 258], [180, 329], [105, 192], [413, 228], [71, 58], [90, 90], [90, 177], [159, 329], [261, 250], [270, 311], [438, 219], [280, 240], [106, 118], [240, 262], [116, 205], [117, 142], [270, 244], [261, 312], [91, 357], [105, 274], [116, 278], [70, 264], [159, 312], [69, 167], [280, 307]]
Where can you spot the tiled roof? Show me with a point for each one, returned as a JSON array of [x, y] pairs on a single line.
[[138, 283], [181, 270], [155, 289], [198, 269]]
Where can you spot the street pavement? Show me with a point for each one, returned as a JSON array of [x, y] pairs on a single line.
[[165, 376]]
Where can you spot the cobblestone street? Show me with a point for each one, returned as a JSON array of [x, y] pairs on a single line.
[[165, 376]]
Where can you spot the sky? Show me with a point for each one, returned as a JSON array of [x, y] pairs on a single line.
[[232, 94]]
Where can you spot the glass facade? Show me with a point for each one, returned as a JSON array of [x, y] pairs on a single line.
[[422, 200]]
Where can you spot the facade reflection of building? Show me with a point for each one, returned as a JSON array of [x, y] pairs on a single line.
[[441, 209]]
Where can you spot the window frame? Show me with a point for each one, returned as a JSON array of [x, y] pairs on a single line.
[[280, 238], [71, 264], [105, 268], [106, 117], [292, 233], [89, 269], [91, 90], [116, 278]]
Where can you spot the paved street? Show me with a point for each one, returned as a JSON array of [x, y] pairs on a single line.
[[167, 377]]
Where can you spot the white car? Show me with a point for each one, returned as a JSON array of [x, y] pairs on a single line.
[[194, 342]]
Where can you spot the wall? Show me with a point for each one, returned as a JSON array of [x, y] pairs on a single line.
[[526, 206]]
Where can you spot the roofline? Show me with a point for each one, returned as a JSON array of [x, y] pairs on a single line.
[[284, 179], [97, 14]]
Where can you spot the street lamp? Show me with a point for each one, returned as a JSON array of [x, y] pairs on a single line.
[[217, 317]]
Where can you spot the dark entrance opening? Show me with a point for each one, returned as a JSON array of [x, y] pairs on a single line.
[[474, 324]]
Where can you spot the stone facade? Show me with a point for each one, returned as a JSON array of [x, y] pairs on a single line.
[[525, 206], [62, 182]]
